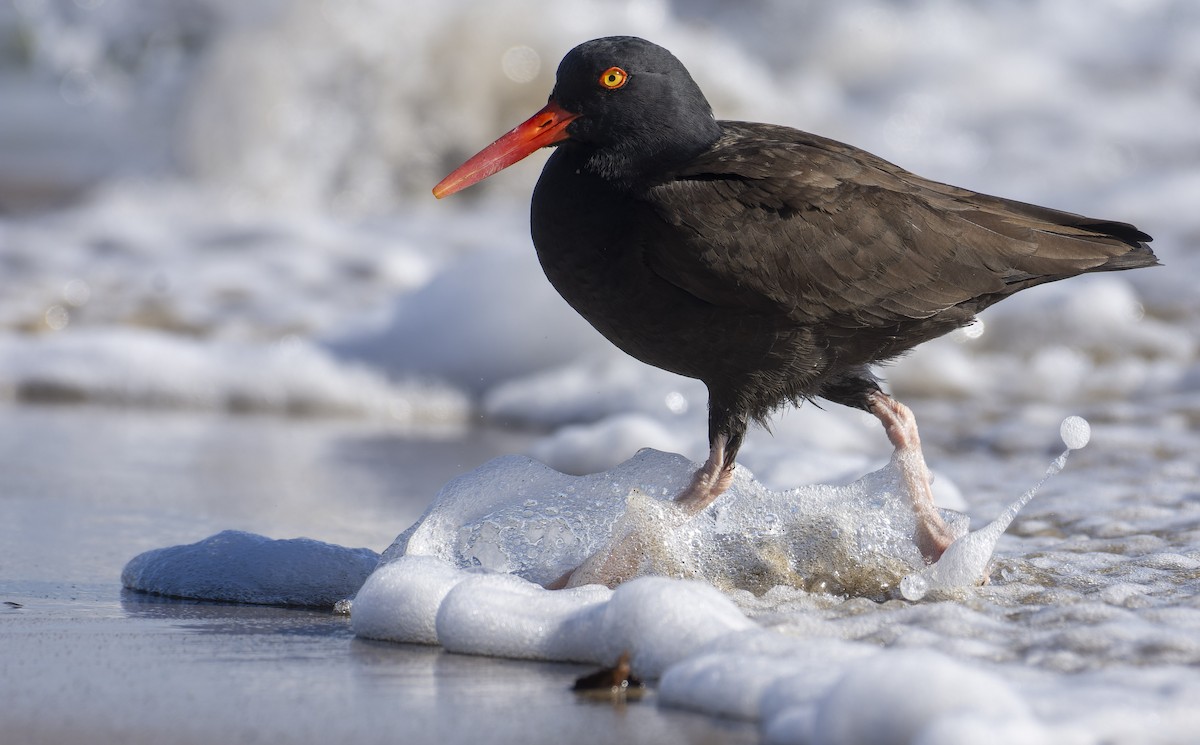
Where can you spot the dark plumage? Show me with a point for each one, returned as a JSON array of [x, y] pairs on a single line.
[[772, 264]]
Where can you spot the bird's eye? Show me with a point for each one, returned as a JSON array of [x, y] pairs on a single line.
[[613, 78]]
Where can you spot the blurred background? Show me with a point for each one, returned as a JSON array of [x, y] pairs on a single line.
[[223, 206]]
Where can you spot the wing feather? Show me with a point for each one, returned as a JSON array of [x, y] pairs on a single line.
[[775, 220]]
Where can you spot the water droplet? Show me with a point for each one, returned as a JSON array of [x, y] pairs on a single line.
[[676, 402], [1075, 432], [76, 292], [57, 317], [521, 64], [914, 587]]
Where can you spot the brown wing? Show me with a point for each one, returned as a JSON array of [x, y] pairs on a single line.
[[774, 219]]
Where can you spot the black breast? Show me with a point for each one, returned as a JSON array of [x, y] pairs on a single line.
[[595, 244]]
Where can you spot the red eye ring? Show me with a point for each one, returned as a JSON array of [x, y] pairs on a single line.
[[613, 78]]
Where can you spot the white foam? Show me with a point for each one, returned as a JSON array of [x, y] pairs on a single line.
[[759, 675], [708, 654], [503, 615], [705, 652], [656, 620], [895, 698], [593, 447], [1075, 432], [239, 567], [149, 368], [480, 343], [399, 602], [517, 516], [593, 387], [520, 518]]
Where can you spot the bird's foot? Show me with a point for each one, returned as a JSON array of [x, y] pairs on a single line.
[[622, 559], [638, 545], [933, 535], [709, 482]]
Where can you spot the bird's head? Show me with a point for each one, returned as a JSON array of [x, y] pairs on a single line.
[[628, 105]]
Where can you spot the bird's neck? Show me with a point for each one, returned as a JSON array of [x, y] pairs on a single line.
[[639, 161]]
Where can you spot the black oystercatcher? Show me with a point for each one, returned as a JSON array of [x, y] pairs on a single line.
[[772, 264]]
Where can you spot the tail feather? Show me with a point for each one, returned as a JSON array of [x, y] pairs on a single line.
[[1138, 255], [1120, 230], [1094, 245]]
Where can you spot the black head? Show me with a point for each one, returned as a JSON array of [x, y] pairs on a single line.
[[638, 107], [626, 108]]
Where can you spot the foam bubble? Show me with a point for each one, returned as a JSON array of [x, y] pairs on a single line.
[[659, 621], [1075, 432], [400, 601], [240, 567], [914, 587], [500, 615], [894, 697]]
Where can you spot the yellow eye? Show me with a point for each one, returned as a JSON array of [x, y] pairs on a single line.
[[613, 78]]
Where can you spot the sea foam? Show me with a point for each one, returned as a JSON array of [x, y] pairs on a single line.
[[234, 566], [713, 613], [518, 516]]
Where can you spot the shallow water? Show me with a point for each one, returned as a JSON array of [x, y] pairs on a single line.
[[90, 668], [83, 489]]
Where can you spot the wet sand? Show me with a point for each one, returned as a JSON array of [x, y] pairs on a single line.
[[97, 670], [82, 490]]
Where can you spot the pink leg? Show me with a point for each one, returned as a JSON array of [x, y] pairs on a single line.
[[708, 483], [622, 560], [933, 535]]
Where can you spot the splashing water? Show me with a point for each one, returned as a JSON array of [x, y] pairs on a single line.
[[965, 561], [517, 516], [1075, 432]]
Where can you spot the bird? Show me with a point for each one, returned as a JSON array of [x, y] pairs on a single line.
[[774, 265]]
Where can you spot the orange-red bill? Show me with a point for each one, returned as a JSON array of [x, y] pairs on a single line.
[[546, 127]]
